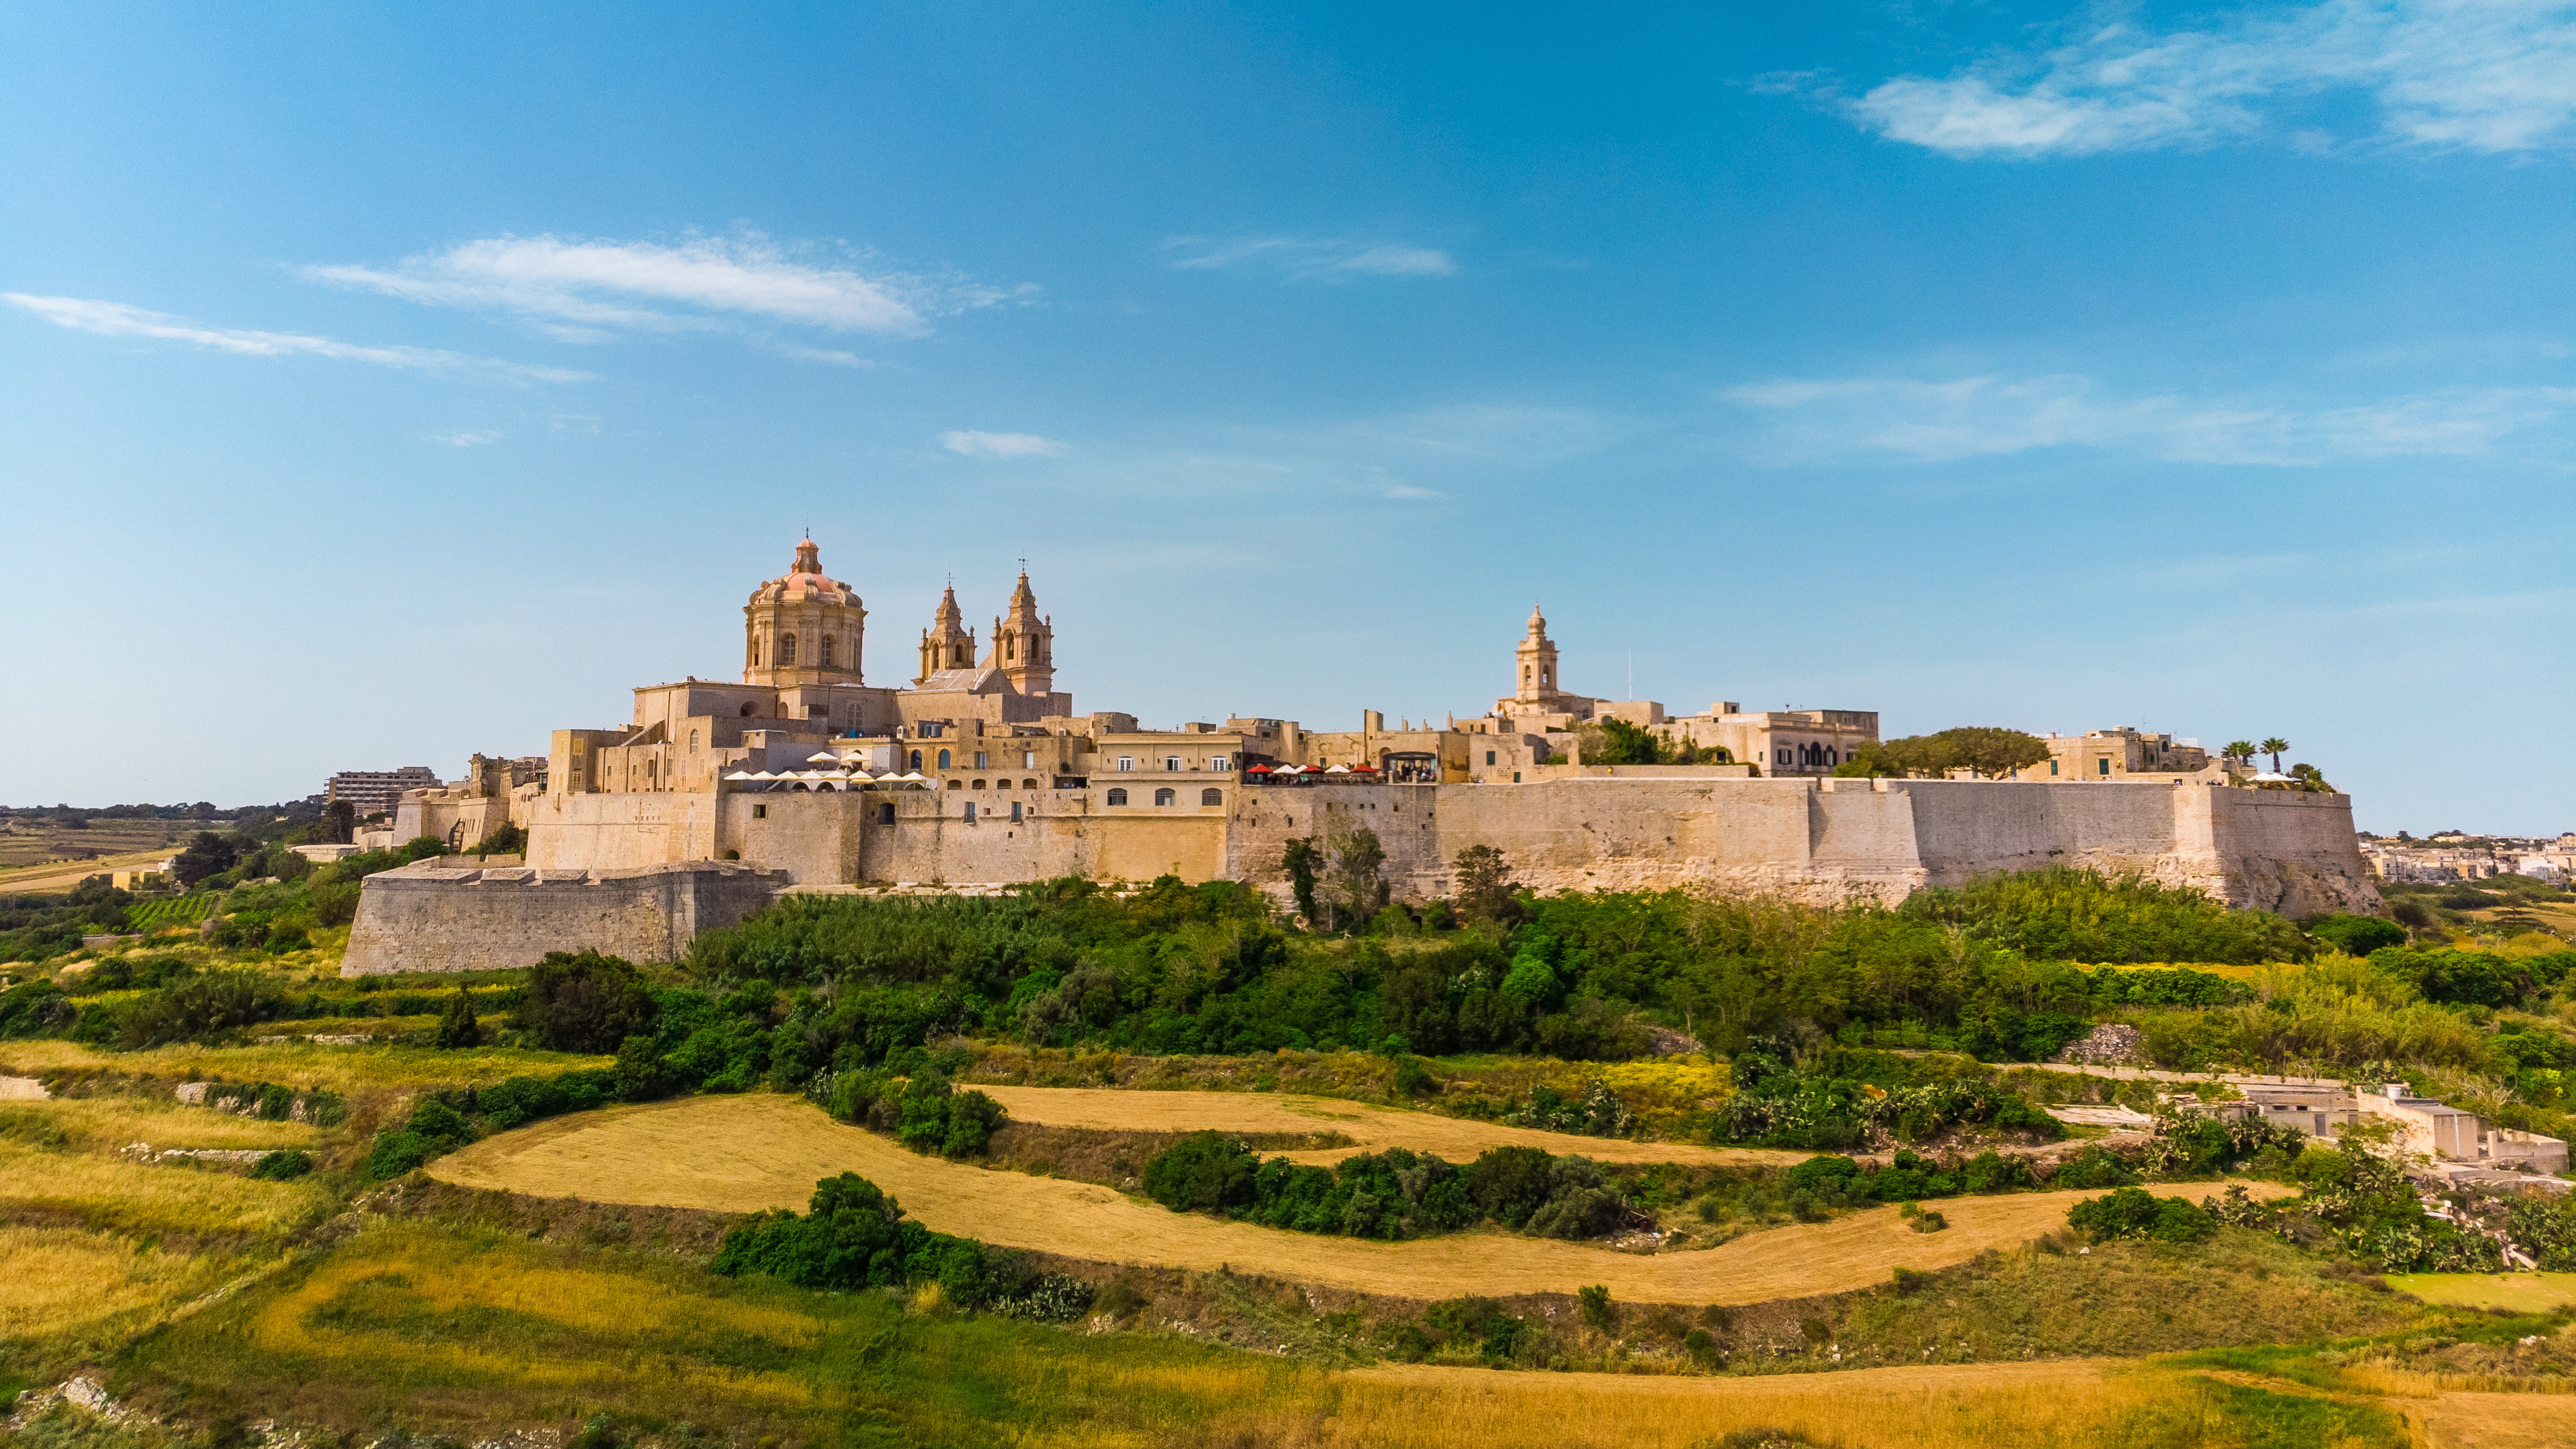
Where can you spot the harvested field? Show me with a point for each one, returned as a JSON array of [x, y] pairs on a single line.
[[741, 1154], [2498, 1421], [1371, 1129], [2059, 1402]]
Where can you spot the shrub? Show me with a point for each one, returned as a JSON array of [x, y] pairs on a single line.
[[586, 1003], [457, 1027], [1594, 1300], [936, 1117], [2133, 1212], [195, 1010], [2355, 935], [1203, 1172], [283, 1165]]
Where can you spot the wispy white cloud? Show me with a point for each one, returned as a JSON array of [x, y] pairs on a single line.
[[589, 290], [1309, 258], [116, 319], [2473, 75], [1001, 445], [832, 355], [1972, 417], [462, 438]]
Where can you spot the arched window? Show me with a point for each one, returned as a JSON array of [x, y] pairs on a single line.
[[1543, 675], [693, 742], [1211, 797], [1117, 797], [979, 784], [1164, 797], [956, 784], [826, 658], [916, 759], [749, 709], [786, 651], [1028, 784], [943, 759]]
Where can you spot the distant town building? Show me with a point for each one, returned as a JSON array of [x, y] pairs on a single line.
[[372, 792], [2453, 856]]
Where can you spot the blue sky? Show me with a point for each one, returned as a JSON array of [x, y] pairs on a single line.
[[381, 386]]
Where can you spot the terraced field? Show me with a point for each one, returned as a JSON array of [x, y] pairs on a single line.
[[744, 1153], [1371, 1129]]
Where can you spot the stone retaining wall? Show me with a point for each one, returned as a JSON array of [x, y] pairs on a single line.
[[431, 916]]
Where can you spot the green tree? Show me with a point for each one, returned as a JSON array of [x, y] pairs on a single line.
[[457, 1026], [1303, 862], [585, 1003], [340, 822], [205, 855], [1484, 884], [506, 839], [2238, 750], [1990, 752], [1358, 888], [2273, 747]]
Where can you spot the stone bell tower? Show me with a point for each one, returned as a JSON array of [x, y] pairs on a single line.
[[947, 643], [1536, 660], [1024, 643], [802, 628]]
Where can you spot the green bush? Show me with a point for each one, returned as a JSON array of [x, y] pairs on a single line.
[[586, 1003], [2133, 1212], [197, 1010], [854, 1235], [1203, 1172], [457, 1028], [282, 1165], [2354, 935]]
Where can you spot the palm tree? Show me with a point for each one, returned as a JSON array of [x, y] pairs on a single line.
[[2239, 750], [2273, 747]]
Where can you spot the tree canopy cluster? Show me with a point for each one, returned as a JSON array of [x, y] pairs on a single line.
[[1991, 753]]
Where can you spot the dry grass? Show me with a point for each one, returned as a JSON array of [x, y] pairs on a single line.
[[1371, 1129], [2498, 1421], [135, 1197], [349, 1070], [760, 1151], [81, 1294], [105, 1124], [2064, 1402], [2520, 1292]]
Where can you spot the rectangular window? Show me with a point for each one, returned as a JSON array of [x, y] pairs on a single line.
[[759, 812], [1015, 812], [970, 812], [1171, 762], [1489, 757], [885, 814], [979, 760], [2106, 766], [1028, 759], [1126, 762], [1219, 762], [2052, 768]]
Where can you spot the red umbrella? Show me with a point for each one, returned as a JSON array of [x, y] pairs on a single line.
[[1259, 770]]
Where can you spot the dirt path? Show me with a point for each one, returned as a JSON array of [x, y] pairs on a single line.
[[1370, 1128], [744, 1153]]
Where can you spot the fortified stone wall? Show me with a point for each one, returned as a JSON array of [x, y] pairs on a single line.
[[428, 917], [621, 831]]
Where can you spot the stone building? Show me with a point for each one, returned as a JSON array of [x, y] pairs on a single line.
[[981, 771], [2125, 753]]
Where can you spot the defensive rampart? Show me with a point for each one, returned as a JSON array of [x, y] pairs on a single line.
[[429, 916]]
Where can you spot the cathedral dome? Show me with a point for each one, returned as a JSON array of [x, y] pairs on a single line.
[[805, 582]]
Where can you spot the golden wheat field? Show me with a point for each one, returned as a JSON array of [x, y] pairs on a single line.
[[760, 1151], [1981, 1406], [1371, 1129], [104, 1124], [56, 1281], [351, 1071]]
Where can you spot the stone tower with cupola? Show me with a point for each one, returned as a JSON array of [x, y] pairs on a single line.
[[947, 643], [1024, 643], [802, 627], [1537, 662]]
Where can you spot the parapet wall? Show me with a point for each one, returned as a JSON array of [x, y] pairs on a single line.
[[429, 917]]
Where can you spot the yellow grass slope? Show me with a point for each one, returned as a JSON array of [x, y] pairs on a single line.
[[1371, 1129], [758, 1151]]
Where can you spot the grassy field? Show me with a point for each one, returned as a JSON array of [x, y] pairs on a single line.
[[758, 1151], [1370, 1128], [348, 1070], [2520, 1292], [105, 1124], [458, 1334]]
